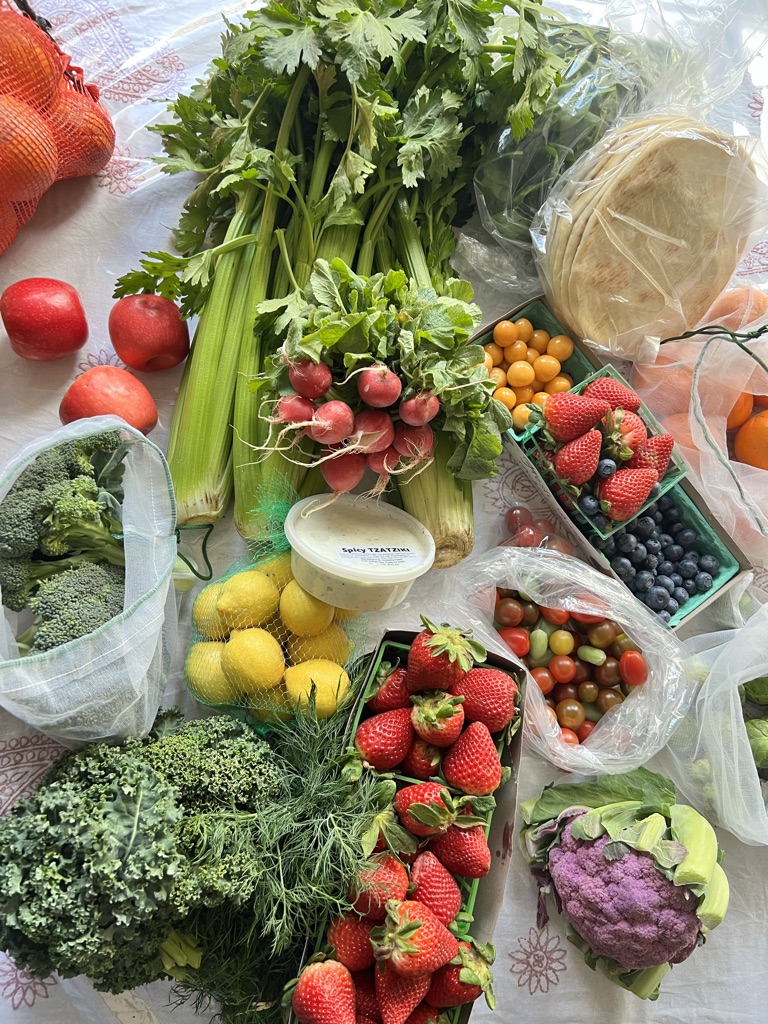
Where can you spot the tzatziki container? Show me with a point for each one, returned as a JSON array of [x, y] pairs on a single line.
[[356, 553]]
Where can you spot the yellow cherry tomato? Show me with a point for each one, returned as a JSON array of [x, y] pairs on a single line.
[[531, 355], [488, 362], [524, 329], [516, 351], [561, 642], [557, 384], [520, 416], [494, 352], [546, 368], [539, 341], [520, 373], [561, 347], [504, 365], [540, 398], [498, 376], [506, 396], [537, 385], [505, 333], [524, 395]]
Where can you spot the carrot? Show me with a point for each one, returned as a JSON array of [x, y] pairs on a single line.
[[28, 157]]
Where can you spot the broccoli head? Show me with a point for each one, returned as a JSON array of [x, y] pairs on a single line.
[[20, 577], [20, 522]]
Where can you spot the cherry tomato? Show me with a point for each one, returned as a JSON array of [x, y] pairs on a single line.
[[607, 674], [494, 352], [583, 670], [607, 699], [558, 544], [588, 691], [570, 714], [565, 691], [633, 668], [544, 679], [524, 329], [585, 619], [505, 333], [557, 616], [561, 642], [552, 712], [527, 537], [585, 729], [539, 341], [530, 613], [570, 737], [601, 635], [509, 612], [621, 644], [516, 517], [562, 668], [552, 705], [517, 640], [545, 526]]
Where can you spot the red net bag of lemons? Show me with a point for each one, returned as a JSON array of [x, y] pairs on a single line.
[[52, 124]]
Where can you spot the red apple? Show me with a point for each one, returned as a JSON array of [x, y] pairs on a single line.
[[44, 318], [105, 390], [147, 332]]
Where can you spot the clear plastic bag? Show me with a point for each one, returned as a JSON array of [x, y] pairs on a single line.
[[709, 757], [108, 684], [633, 731]]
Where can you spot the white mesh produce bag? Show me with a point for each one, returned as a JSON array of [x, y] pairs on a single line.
[[108, 684]]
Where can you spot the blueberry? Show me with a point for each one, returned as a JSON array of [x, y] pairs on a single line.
[[665, 582], [626, 542], [654, 490], [680, 594], [665, 502], [652, 509], [676, 528], [644, 580], [606, 468], [673, 552], [666, 568], [703, 581], [638, 556], [651, 562], [652, 546], [708, 563], [672, 606], [622, 567], [657, 598], [690, 586], [589, 504], [645, 527], [687, 569], [610, 548], [692, 556], [677, 579], [600, 522], [673, 514], [664, 615], [665, 540], [658, 517], [686, 537]]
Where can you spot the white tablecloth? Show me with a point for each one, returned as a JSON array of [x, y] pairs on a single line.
[[89, 232]]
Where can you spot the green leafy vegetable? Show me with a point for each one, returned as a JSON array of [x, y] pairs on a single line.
[[757, 733]]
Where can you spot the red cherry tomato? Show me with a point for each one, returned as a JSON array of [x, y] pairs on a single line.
[[587, 620], [562, 668], [545, 526], [544, 679], [516, 517], [633, 668], [565, 691], [517, 640], [557, 616], [570, 737], [509, 612], [570, 714], [585, 729], [558, 544], [527, 537]]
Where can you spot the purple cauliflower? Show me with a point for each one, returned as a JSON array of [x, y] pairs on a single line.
[[625, 909]]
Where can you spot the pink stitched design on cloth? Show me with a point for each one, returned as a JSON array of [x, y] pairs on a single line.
[[538, 961], [755, 261], [119, 176], [19, 988], [23, 762]]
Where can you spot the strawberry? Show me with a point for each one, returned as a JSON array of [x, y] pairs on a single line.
[[624, 432], [463, 851], [360, 1018], [350, 937], [624, 494], [567, 416], [426, 1014], [612, 391], [427, 808], [324, 994], [385, 739], [489, 697], [464, 979], [439, 657], [366, 1003], [576, 462], [472, 764], [388, 691], [423, 760], [399, 994], [413, 939], [654, 453], [435, 887], [381, 878], [438, 717]]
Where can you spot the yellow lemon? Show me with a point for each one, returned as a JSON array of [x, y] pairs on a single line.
[[278, 569], [272, 706], [248, 599], [331, 645], [344, 615], [330, 680], [205, 615], [206, 677], [303, 614], [253, 661]]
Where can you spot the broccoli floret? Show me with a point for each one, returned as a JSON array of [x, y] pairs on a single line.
[[20, 577], [75, 520], [20, 522], [72, 604]]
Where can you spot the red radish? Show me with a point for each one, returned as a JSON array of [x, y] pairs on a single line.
[[105, 390], [376, 430], [384, 462], [310, 380], [414, 442], [294, 409], [420, 409], [344, 472], [332, 422], [44, 318], [379, 386], [28, 157], [148, 333]]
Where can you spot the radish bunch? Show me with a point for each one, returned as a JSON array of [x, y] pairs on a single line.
[[378, 437]]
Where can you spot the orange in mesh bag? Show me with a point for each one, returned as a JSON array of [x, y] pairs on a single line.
[[52, 125]]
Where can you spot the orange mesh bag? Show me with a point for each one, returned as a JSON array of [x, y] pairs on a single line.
[[52, 124]]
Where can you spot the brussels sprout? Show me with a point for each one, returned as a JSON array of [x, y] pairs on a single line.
[[757, 731]]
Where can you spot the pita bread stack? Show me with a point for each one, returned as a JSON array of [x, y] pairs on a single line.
[[644, 231]]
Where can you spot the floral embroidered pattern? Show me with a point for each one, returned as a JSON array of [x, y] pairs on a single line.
[[755, 106], [119, 176], [538, 961], [100, 358], [19, 988], [755, 262], [23, 762]]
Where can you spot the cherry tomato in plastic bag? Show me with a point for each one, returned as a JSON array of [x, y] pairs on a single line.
[[508, 612], [587, 620], [517, 640], [570, 714], [557, 616], [544, 679], [570, 737], [516, 517], [633, 668], [562, 668], [585, 729]]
